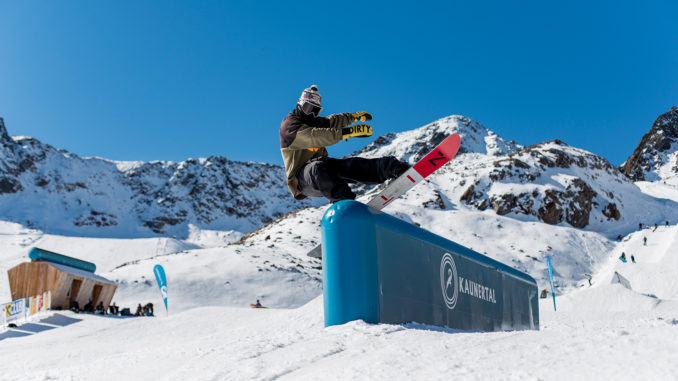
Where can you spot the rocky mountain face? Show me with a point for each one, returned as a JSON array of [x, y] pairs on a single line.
[[656, 156], [549, 182], [554, 183], [57, 191]]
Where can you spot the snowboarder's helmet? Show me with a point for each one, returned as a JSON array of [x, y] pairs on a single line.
[[309, 102]]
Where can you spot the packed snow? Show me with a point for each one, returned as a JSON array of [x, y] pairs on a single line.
[[601, 331]]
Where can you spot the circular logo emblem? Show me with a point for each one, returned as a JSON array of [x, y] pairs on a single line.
[[449, 281]]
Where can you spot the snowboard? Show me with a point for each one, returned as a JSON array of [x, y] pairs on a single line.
[[430, 163]]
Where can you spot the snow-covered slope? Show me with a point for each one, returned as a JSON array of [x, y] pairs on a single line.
[[57, 191], [199, 272], [603, 331], [493, 198], [654, 250]]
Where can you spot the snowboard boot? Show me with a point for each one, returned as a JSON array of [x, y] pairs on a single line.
[[395, 168]]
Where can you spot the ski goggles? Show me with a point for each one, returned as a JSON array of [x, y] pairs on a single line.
[[309, 108]]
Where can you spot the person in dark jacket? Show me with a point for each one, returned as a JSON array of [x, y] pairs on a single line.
[[100, 308], [310, 171]]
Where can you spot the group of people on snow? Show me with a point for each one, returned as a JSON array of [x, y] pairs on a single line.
[[622, 258], [113, 309]]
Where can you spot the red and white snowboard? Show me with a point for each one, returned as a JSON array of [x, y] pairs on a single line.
[[430, 163]]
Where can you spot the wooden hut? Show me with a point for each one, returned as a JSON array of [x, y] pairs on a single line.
[[68, 278]]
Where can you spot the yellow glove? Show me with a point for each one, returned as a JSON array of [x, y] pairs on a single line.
[[362, 116], [356, 131]]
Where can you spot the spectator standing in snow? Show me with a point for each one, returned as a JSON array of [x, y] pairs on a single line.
[[633, 259], [667, 222], [640, 226], [644, 241], [544, 294], [148, 309], [140, 310]]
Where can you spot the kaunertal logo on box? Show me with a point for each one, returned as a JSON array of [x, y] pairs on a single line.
[[449, 281], [452, 284]]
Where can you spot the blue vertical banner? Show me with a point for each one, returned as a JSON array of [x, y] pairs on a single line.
[[553, 292], [162, 283]]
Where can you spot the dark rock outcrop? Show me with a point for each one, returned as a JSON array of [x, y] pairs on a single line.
[[569, 199], [649, 154]]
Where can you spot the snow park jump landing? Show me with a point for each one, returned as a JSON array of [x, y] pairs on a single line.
[[381, 269]]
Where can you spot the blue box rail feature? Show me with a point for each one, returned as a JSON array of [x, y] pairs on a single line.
[[37, 254], [381, 269]]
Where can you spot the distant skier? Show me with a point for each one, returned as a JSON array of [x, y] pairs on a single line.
[[310, 171], [257, 305], [644, 241], [633, 259]]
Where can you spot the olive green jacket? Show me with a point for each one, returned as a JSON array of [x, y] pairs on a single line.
[[303, 138]]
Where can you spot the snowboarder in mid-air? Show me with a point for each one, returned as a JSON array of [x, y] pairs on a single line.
[[310, 171]]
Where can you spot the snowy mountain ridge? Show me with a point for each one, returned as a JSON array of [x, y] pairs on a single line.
[[550, 182], [414, 144], [55, 190]]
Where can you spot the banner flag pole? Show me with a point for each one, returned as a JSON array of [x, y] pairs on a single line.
[[162, 283], [553, 292]]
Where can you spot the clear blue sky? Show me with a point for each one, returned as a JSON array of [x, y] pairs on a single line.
[[168, 80]]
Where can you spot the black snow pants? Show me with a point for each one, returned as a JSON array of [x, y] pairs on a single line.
[[330, 177]]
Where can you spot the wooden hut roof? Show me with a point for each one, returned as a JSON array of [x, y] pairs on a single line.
[[80, 272]]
